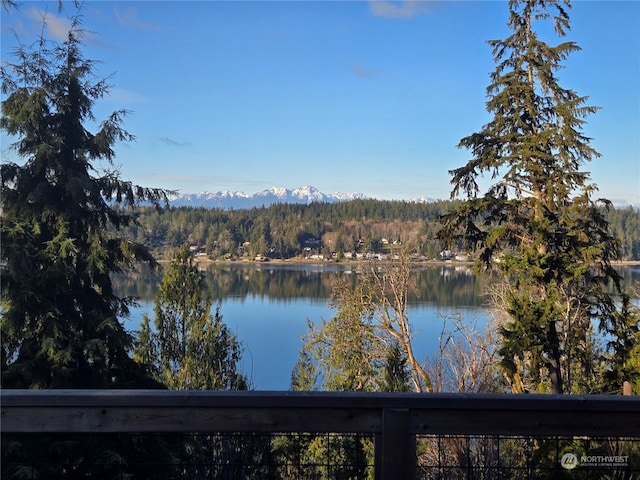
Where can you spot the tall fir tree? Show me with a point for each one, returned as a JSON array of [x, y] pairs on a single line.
[[61, 240], [60, 323], [538, 223], [189, 348]]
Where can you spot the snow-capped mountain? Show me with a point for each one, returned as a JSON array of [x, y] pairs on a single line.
[[423, 199], [238, 200]]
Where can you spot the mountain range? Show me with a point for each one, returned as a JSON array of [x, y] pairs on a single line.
[[240, 200]]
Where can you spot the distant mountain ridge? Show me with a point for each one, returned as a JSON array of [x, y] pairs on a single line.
[[240, 200]]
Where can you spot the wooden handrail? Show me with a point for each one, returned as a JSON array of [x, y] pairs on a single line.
[[393, 418], [70, 411]]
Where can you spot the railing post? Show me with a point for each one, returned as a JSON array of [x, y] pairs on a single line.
[[395, 447]]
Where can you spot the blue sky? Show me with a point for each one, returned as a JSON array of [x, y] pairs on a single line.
[[357, 96]]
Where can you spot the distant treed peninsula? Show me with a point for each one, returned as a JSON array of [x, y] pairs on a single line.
[[322, 230]]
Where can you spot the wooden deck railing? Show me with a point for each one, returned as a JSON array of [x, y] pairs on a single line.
[[393, 418]]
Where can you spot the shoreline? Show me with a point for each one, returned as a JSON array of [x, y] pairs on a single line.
[[303, 261]]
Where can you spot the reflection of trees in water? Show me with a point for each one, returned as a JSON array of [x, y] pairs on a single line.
[[281, 284], [450, 286], [631, 275], [141, 283], [441, 285]]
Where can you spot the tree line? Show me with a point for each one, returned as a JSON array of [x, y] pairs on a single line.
[[295, 230]]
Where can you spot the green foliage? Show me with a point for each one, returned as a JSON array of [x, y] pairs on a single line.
[[623, 350], [538, 224], [367, 345], [397, 377], [347, 351], [304, 374], [625, 225], [61, 237], [318, 456], [284, 231], [352, 351], [61, 242], [189, 348]]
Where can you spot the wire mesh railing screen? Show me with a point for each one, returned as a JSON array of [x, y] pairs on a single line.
[[235, 456], [490, 457], [311, 456]]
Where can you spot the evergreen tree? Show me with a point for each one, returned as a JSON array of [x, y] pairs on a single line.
[[61, 240], [397, 377], [60, 231], [304, 375], [537, 223], [624, 350], [342, 354], [190, 348], [347, 352]]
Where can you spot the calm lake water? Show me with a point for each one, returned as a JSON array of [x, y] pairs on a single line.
[[267, 306]]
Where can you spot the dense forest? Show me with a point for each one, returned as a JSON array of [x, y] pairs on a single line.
[[322, 229]]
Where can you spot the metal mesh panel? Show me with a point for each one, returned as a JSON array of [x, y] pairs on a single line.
[[470, 457], [310, 456], [204, 456]]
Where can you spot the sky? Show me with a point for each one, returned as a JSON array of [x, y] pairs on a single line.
[[358, 96]]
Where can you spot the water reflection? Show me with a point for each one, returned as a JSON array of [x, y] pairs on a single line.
[[442, 285], [446, 285], [267, 306]]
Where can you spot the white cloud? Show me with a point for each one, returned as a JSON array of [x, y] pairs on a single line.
[[58, 27], [401, 9], [129, 18]]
